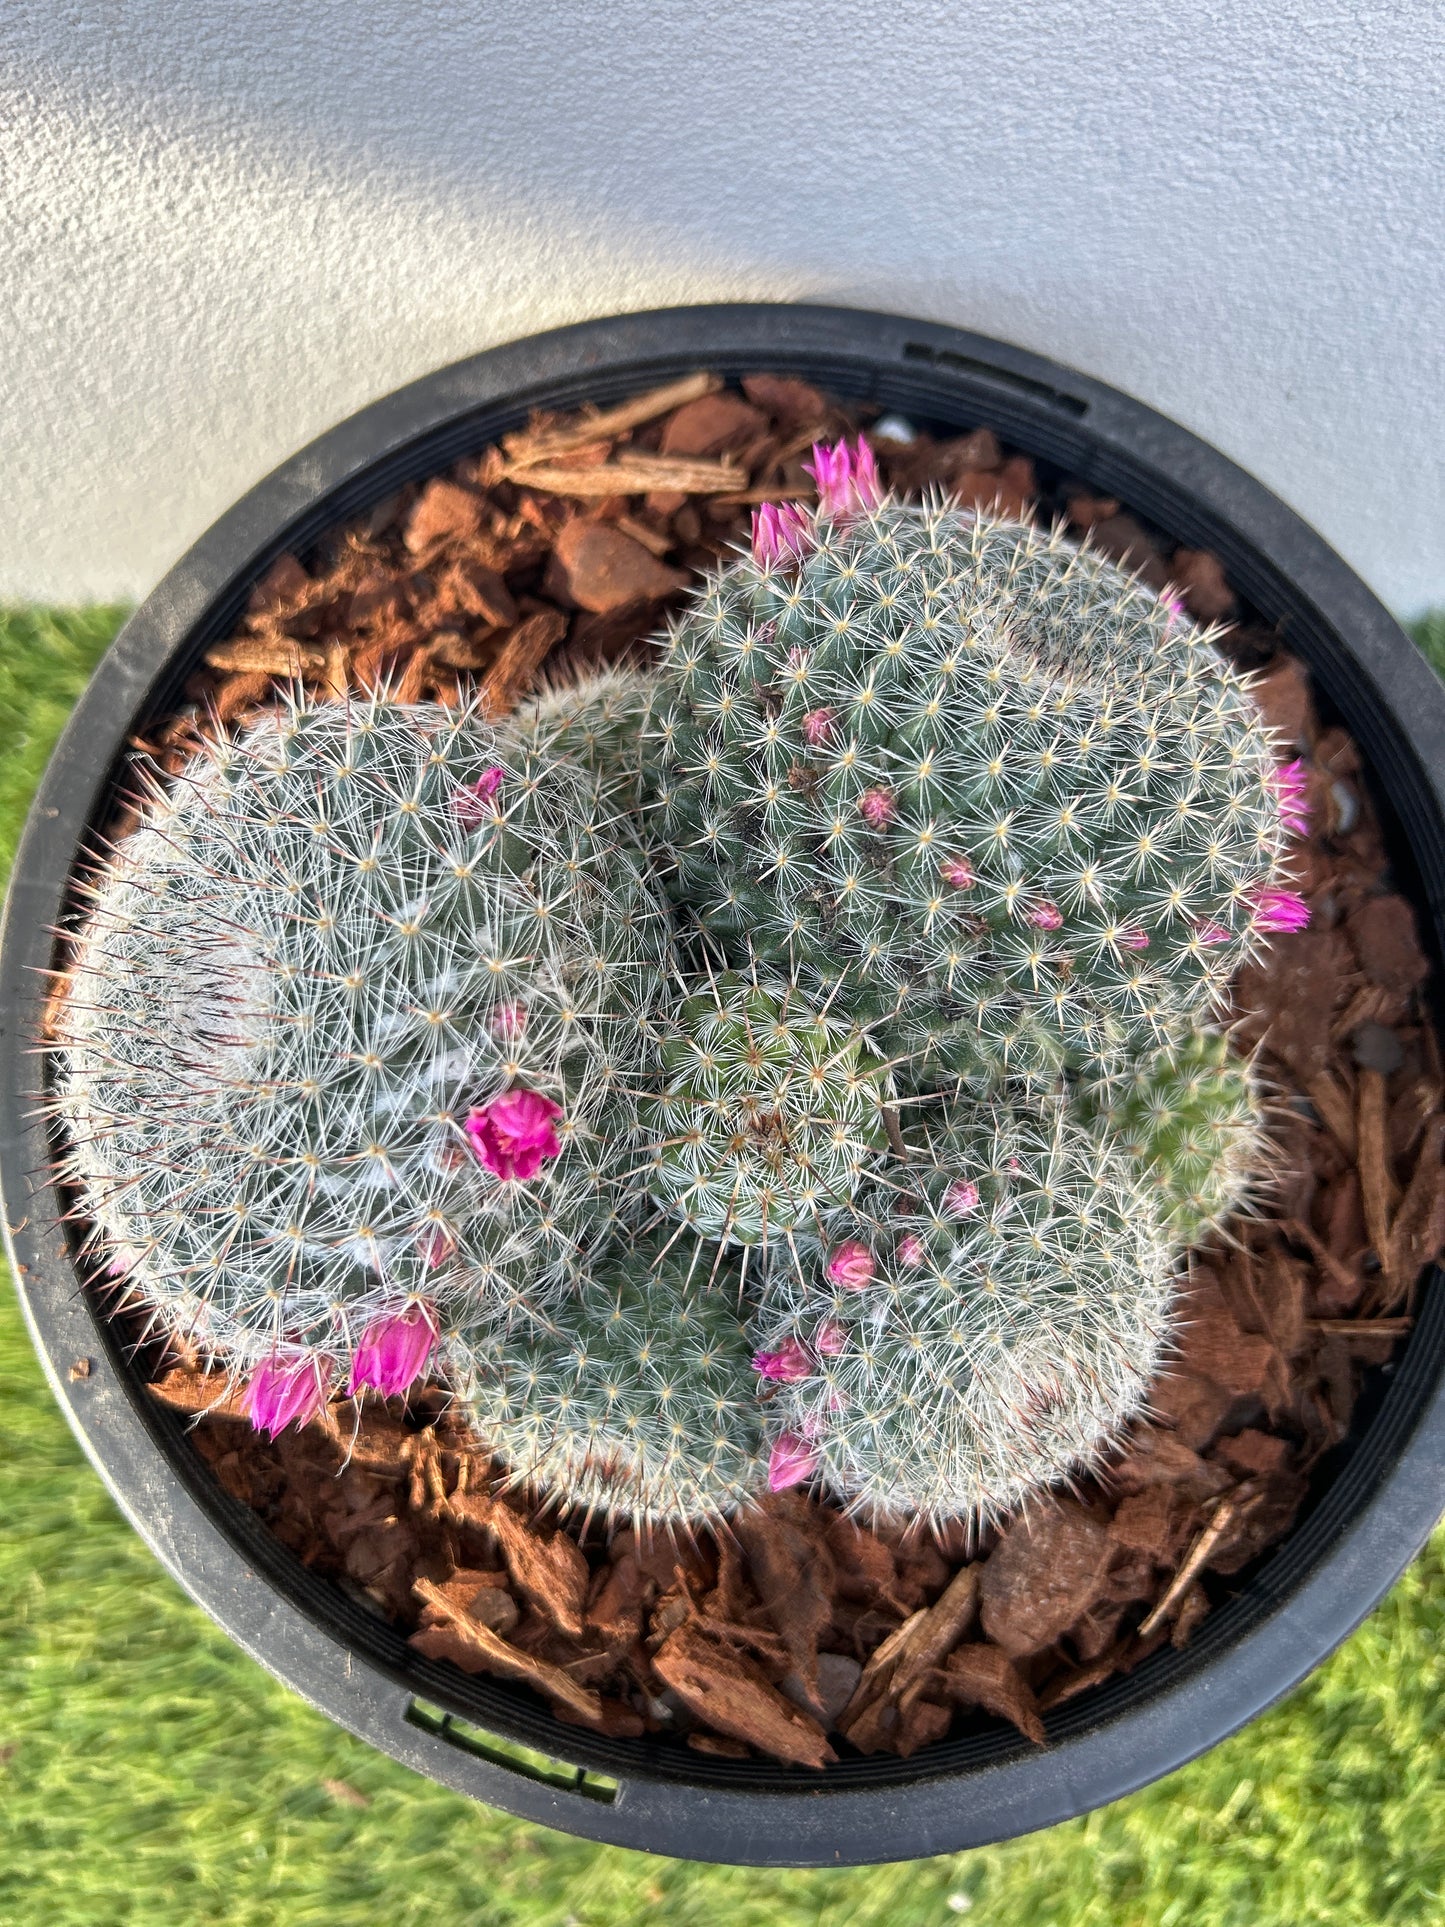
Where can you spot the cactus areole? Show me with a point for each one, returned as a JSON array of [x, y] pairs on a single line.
[[796, 1067]]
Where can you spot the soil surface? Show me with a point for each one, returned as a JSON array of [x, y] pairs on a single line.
[[800, 1635]]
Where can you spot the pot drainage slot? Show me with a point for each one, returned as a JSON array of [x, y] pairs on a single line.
[[507, 1753], [996, 377]]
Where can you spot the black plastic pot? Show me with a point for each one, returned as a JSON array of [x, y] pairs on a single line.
[[496, 1741]]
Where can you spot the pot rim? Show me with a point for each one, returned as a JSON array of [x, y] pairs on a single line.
[[1309, 1595]]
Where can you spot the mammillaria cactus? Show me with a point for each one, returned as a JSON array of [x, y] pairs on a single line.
[[351, 1038], [1190, 1117], [768, 1114], [1017, 797], [986, 1318], [634, 1399]]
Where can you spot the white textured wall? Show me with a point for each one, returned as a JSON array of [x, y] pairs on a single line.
[[224, 226]]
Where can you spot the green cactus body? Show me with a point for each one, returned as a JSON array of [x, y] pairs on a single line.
[[768, 1115], [984, 1323], [634, 1400], [1021, 804], [1191, 1120], [329, 947], [596, 723]]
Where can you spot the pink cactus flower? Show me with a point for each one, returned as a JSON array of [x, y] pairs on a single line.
[[1045, 916], [788, 1363], [1290, 784], [851, 1266], [847, 480], [1172, 605], [515, 1133], [958, 872], [1211, 933], [911, 1250], [436, 1245], [1280, 911], [782, 533], [878, 808], [960, 1200], [471, 802], [818, 726], [286, 1391], [509, 1021], [1133, 940], [830, 1340], [791, 1461], [394, 1352]]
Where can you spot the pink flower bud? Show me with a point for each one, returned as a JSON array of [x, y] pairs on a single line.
[[960, 1200], [470, 803], [878, 808], [1133, 940], [782, 532], [1045, 916], [788, 1363], [958, 872], [818, 726], [282, 1392], [830, 1340], [394, 1352], [1172, 605], [1211, 933], [852, 1266], [847, 480], [515, 1133], [436, 1245], [791, 1461], [911, 1250], [1290, 784], [509, 1021], [1280, 911]]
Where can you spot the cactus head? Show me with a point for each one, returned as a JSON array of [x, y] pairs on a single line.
[[354, 1021], [983, 1323], [1010, 791], [768, 1115], [634, 1399], [1190, 1118]]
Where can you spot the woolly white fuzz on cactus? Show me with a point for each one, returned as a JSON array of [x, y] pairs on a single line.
[[352, 1034], [635, 1399], [1017, 797], [988, 1317]]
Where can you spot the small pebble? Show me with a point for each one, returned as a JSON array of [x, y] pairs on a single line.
[[1376, 1049], [1347, 808], [894, 428]]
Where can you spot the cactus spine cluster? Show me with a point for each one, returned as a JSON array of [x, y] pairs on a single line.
[[355, 1028], [869, 1158]]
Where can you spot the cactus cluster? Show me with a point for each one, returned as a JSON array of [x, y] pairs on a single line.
[[795, 1062]]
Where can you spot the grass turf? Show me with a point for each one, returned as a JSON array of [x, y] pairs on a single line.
[[149, 1772]]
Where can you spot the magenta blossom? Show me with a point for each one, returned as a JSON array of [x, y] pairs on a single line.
[[791, 1461], [282, 1392], [394, 1351], [818, 726], [1046, 916], [471, 801], [1210, 933], [782, 532], [515, 1133], [788, 1363], [960, 1200], [878, 808], [1290, 784], [847, 480], [1172, 605], [852, 1266], [1280, 911], [830, 1340], [958, 872], [911, 1250], [1133, 940]]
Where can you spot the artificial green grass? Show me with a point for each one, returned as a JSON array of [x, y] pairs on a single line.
[[150, 1773]]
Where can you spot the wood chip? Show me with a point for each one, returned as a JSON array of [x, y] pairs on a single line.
[[560, 438], [514, 671], [633, 473], [919, 1645], [1377, 1185], [1226, 1512], [210, 1393], [548, 1569], [477, 1649], [737, 1700], [262, 657], [984, 1676]]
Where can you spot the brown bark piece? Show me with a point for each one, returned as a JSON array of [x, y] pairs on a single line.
[[1142, 1523], [1156, 1457], [1378, 1191], [1383, 936], [985, 1676], [520, 657], [194, 1392], [475, 1648], [735, 1697], [906, 1657], [1046, 1571], [632, 473], [284, 582], [792, 1573], [1283, 695], [602, 569], [599, 425], [794, 404], [548, 1569], [443, 512], [713, 425], [1200, 575], [268, 657]]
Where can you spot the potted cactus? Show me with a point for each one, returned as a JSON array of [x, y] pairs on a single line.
[[799, 1065]]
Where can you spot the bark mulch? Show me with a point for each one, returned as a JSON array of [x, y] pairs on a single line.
[[802, 1633]]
